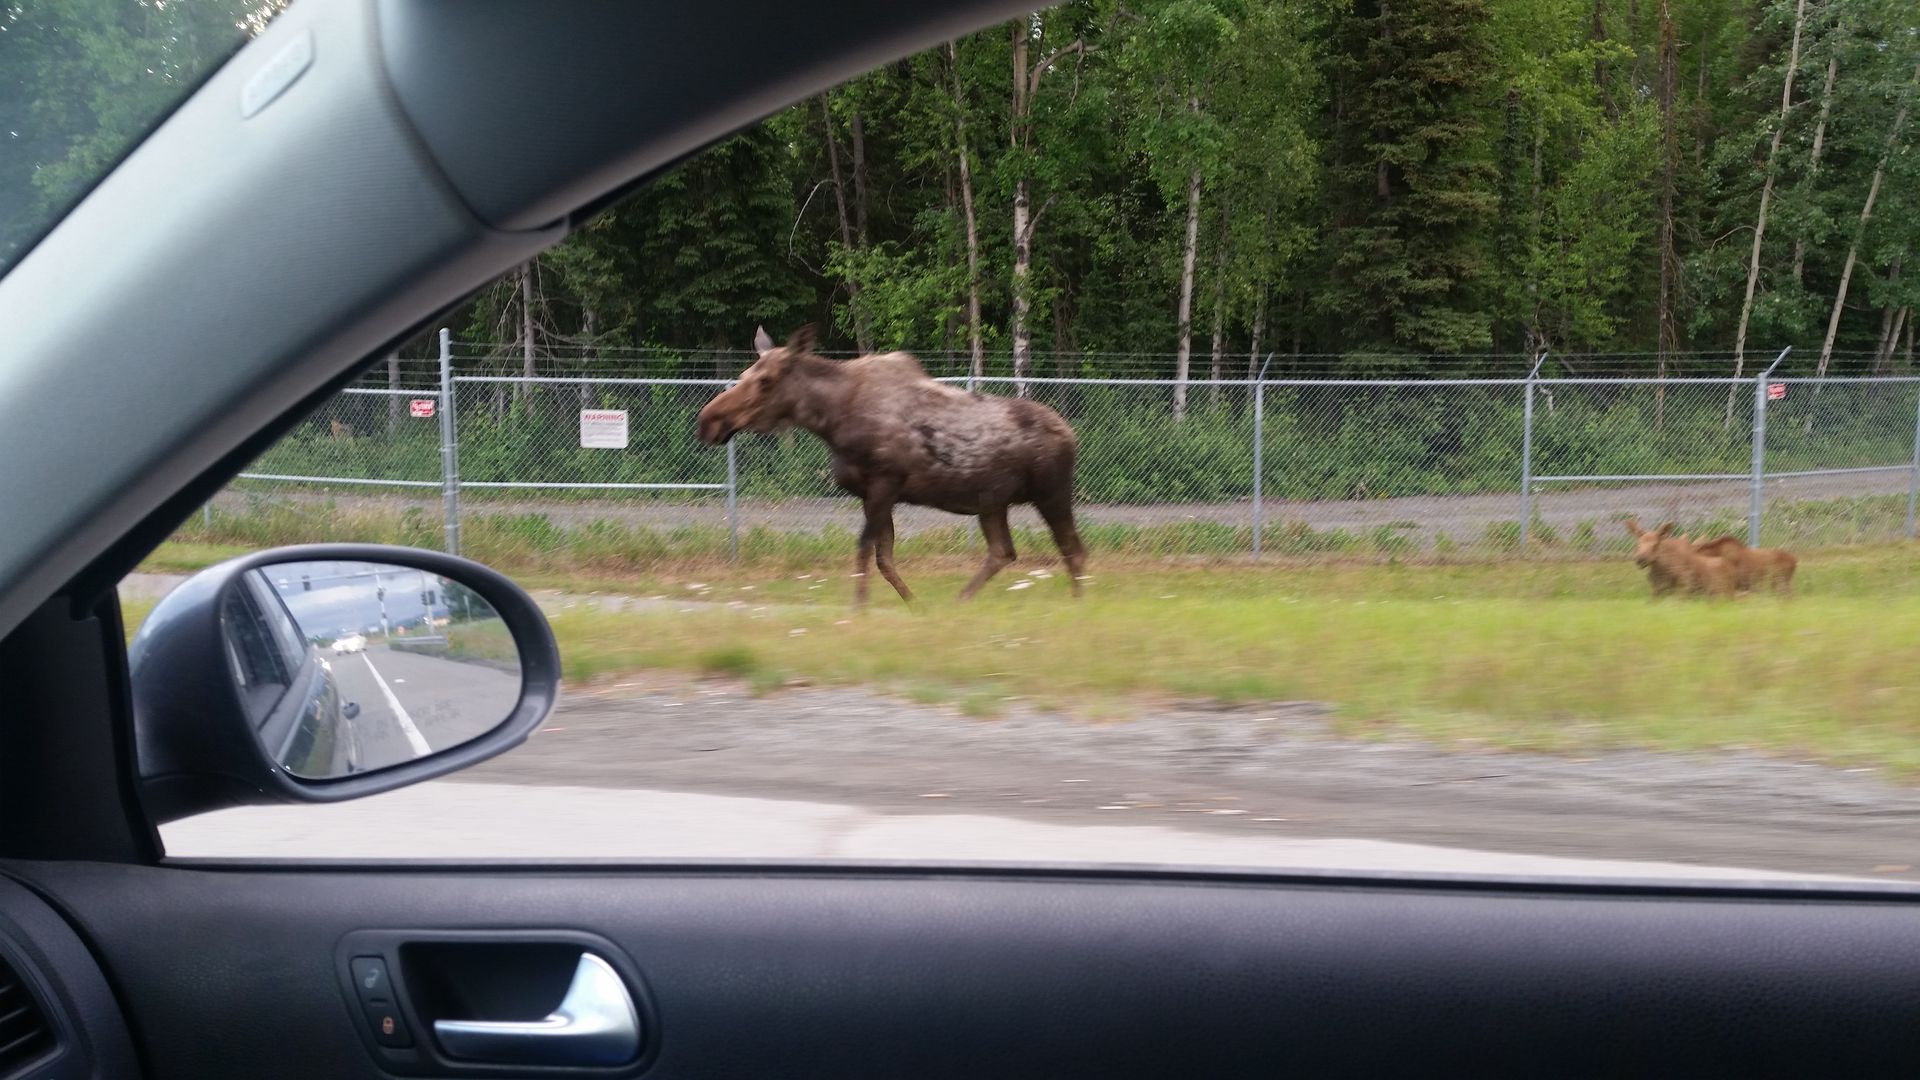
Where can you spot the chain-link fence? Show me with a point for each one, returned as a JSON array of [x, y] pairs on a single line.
[[608, 468]]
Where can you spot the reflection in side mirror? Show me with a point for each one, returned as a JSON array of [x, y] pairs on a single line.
[[345, 667]]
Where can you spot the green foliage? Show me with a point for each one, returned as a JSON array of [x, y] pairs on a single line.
[[1378, 178], [81, 81], [1406, 183], [1411, 174]]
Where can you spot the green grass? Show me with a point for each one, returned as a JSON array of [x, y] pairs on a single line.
[[483, 639], [1455, 641], [536, 547], [1565, 657], [185, 556]]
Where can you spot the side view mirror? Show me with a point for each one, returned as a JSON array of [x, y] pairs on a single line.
[[326, 672]]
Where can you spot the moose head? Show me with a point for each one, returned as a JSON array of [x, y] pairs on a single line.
[[763, 399]]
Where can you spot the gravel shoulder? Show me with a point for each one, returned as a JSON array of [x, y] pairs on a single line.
[[1272, 771]]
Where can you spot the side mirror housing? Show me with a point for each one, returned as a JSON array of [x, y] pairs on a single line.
[[326, 672]]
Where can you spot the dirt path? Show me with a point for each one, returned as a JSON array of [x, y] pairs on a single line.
[[1462, 516], [1273, 770]]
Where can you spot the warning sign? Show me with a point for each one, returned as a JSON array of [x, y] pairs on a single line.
[[421, 407], [603, 429], [1776, 391]]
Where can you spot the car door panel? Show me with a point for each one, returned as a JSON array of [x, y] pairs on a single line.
[[884, 973]]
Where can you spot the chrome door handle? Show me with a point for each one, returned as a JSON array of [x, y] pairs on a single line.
[[595, 1024]]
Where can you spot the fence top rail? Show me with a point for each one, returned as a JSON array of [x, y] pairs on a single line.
[[1037, 380], [1641, 380], [962, 380], [1839, 472], [593, 486], [338, 480], [388, 391], [1817, 380], [575, 381], [1649, 477]]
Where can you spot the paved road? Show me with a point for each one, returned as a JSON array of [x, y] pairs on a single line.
[[1268, 770], [494, 821], [1464, 517], [679, 769], [412, 705]]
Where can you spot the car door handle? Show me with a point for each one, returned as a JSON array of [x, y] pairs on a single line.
[[595, 1024]]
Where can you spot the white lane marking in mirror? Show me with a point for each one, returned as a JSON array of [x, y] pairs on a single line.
[[414, 738]]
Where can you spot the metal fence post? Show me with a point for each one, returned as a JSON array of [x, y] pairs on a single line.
[[1526, 454], [1913, 489], [733, 501], [1759, 459], [1259, 446], [449, 447], [1757, 498]]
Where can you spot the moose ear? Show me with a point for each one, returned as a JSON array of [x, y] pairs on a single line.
[[1633, 526], [1666, 529], [801, 340], [762, 341]]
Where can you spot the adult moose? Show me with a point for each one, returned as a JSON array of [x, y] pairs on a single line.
[[897, 436]]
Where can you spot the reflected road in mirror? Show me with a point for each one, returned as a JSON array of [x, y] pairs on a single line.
[[349, 667], [414, 703]]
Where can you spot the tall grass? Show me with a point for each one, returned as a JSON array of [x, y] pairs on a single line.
[[1554, 655], [538, 543], [1558, 658]]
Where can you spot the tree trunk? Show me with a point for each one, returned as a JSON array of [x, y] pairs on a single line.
[[978, 365], [1819, 143], [1299, 317], [1853, 249], [863, 322], [527, 348], [1382, 178], [1536, 217], [1065, 350], [1219, 310], [1890, 323], [393, 395], [862, 329], [1896, 321], [1639, 68], [1766, 196], [1259, 330], [1668, 338], [839, 185], [589, 328], [1601, 79], [1703, 116], [1022, 296], [1026, 83], [1022, 206], [1188, 253], [858, 140]]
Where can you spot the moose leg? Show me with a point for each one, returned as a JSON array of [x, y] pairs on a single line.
[[861, 563], [1059, 518], [883, 551], [993, 524], [877, 538]]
